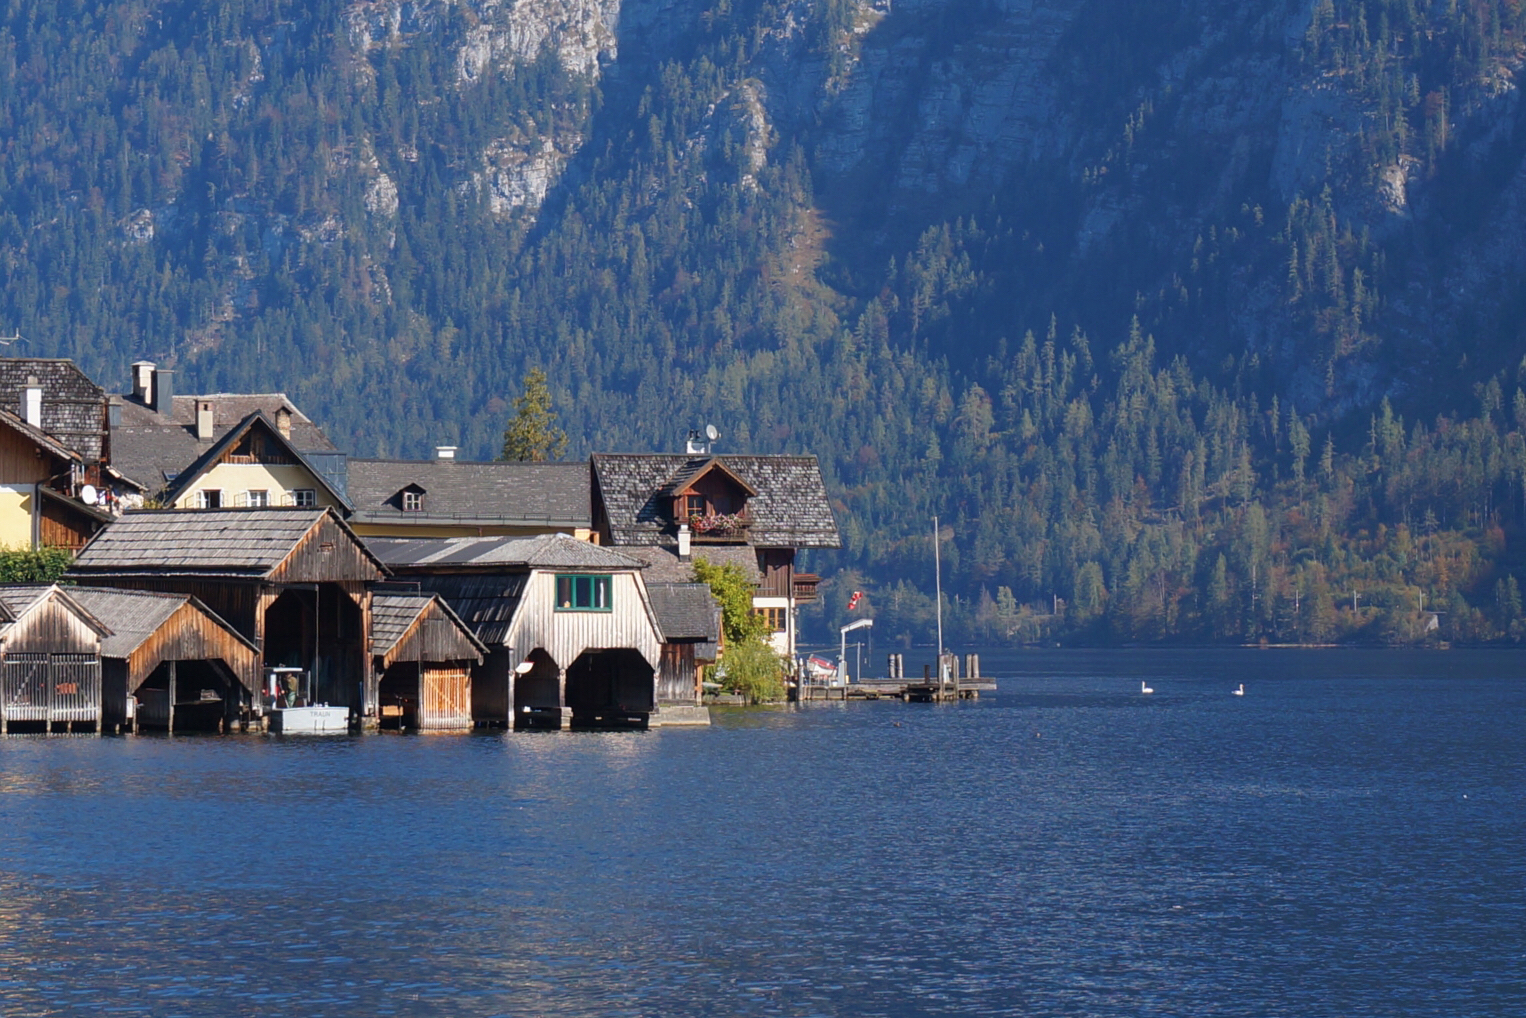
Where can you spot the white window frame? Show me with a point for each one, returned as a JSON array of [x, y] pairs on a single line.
[[204, 498], [257, 498], [306, 498]]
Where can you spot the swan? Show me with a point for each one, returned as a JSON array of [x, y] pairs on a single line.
[[1144, 688], [1241, 690]]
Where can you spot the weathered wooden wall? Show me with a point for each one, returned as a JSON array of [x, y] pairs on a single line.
[[445, 699], [566, 634], [327, 554], [190, 635], [678, 674]]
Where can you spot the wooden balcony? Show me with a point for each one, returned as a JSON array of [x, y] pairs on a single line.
[[805, 587], [720, 528]]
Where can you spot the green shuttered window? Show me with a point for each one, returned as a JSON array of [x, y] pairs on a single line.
[[582, 593]]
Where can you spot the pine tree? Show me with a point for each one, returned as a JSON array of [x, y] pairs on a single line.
[[532, 436]]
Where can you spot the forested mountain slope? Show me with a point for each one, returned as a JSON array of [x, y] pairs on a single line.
[[1191, 318]]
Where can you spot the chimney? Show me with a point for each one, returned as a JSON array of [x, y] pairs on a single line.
[[143, 381], [445, 452], [114, 413], [164, 392], [204, 420], [683, 542], [283, 421], [31, 402]]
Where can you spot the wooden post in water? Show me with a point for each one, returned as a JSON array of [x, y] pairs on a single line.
[[171, 697]]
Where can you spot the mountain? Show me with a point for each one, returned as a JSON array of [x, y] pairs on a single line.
[[1180, 312]]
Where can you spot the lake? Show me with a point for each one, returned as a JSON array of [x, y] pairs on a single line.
[[1348, 838]]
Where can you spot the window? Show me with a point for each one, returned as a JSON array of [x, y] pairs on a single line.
[[209, 498], [258, 499], [694, 505], [305, 497], [583, 594], [413, 501], [778, 618]]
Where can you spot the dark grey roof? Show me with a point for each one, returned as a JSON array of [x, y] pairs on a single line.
[[548, 551], [791, 509], [73, 407], [136, 615], [485, 603], [393, 614], [216, 542], [150, 448], [523, 494], [685, 611], [664, 565]]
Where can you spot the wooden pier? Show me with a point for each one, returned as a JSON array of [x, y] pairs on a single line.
[[957, 680], [912, 691]]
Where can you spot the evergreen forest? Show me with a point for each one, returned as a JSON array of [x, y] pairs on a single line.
[[1191, 321]]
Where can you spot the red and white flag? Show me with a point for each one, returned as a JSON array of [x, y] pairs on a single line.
[[853, 601]]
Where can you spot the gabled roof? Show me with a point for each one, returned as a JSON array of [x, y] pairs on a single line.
[[393, 615], [136, 615], [19, 599], [73, 407], [685, 611], [522, 494], [548, 551], [233, 543], [485, 603], [685, 481], [208, 459], [149, 448], [790, 509]]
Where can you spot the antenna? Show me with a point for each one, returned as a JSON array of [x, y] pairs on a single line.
[[711, 433]]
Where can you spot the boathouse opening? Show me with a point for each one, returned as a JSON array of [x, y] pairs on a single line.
[[610, 689], [538, 693], [197, 695], [319, 627]]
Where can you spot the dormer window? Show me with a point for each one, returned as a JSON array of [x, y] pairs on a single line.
[[694, 505], [413, 501]]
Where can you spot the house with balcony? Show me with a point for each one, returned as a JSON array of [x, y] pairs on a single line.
[[757, 511]]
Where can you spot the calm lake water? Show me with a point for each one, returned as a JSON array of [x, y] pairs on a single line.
[[1348, 838]]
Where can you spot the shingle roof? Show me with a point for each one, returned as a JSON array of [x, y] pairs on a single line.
[[685, 611], [485, 603], [664, 565], [548, 551], [149, 447], [393, 614], [73, 407], [528, 494], [791, 509], [42, 438], [136, 615], [217, 542], [17, 599]]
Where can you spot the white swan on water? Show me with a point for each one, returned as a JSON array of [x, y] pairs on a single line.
[[1144, 688], [1241, 690]]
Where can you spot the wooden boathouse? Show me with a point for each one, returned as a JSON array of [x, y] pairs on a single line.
[[570, 633], [423, 655], [294, 581], [170, 662], [50, 661]]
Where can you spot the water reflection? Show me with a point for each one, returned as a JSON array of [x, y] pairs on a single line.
[[1304, 850]]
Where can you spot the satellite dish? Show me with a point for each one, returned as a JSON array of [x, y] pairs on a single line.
[[711, 433], [87, 494]]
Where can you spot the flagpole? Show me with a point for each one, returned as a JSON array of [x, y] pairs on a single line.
[[938, 580]]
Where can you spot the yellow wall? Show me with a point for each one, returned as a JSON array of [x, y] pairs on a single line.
[[16, 502], [400, 529], [234, 479]]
